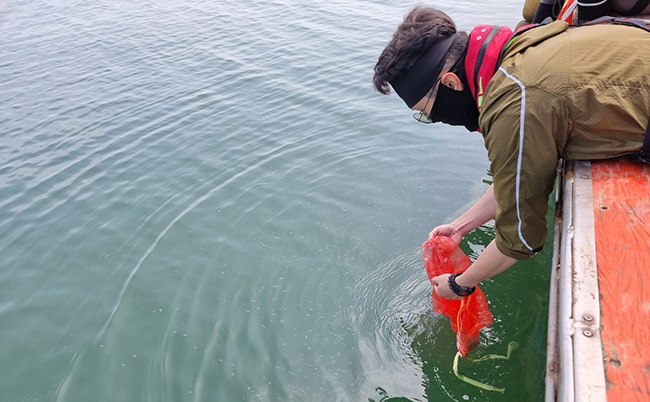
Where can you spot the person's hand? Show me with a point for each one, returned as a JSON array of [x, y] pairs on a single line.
[[448, 230], [441, 286]]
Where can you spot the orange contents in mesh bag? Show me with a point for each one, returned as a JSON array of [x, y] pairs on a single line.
[[468, 315]]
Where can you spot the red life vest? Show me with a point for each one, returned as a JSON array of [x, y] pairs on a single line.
[[485, 45]]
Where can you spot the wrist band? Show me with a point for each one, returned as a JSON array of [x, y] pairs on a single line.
[[457, 289]]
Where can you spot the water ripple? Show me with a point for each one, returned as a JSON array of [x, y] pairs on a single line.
[[203, 201]]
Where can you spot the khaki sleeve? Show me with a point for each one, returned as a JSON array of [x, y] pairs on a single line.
[[523, 139]]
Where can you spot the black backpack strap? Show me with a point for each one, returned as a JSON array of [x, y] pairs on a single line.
[[645, 150], [644, 153], [629, 21], [638, 7]]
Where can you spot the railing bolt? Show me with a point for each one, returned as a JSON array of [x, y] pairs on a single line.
[[587, 333], [588, 318]]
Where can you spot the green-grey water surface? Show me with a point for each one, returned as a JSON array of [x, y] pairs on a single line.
[[207, 201]]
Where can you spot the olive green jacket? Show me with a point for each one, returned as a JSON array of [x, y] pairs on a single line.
[[560, 92]]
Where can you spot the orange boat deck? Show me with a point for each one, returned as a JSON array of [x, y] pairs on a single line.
[[622, 224], [599, 312]]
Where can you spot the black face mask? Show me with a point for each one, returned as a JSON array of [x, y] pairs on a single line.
[[457, 108]]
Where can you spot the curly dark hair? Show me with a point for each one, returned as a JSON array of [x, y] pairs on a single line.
[[421, 28]]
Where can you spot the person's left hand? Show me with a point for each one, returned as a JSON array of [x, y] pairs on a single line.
[[441, 286]]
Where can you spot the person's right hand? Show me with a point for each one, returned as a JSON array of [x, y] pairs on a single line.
[[448, 230]]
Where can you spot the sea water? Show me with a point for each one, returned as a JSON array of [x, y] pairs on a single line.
[[208, 201]]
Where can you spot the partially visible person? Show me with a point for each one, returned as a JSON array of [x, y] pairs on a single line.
[[547, 92]]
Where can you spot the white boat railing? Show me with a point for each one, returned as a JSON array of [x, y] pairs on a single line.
[[575, 371]]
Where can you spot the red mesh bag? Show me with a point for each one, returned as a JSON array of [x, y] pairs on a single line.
[[468, 315]]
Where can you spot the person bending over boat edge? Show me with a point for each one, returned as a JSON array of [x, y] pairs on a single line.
[[543, 93]]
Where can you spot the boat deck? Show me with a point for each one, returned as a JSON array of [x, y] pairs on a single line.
[[599, 311]]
